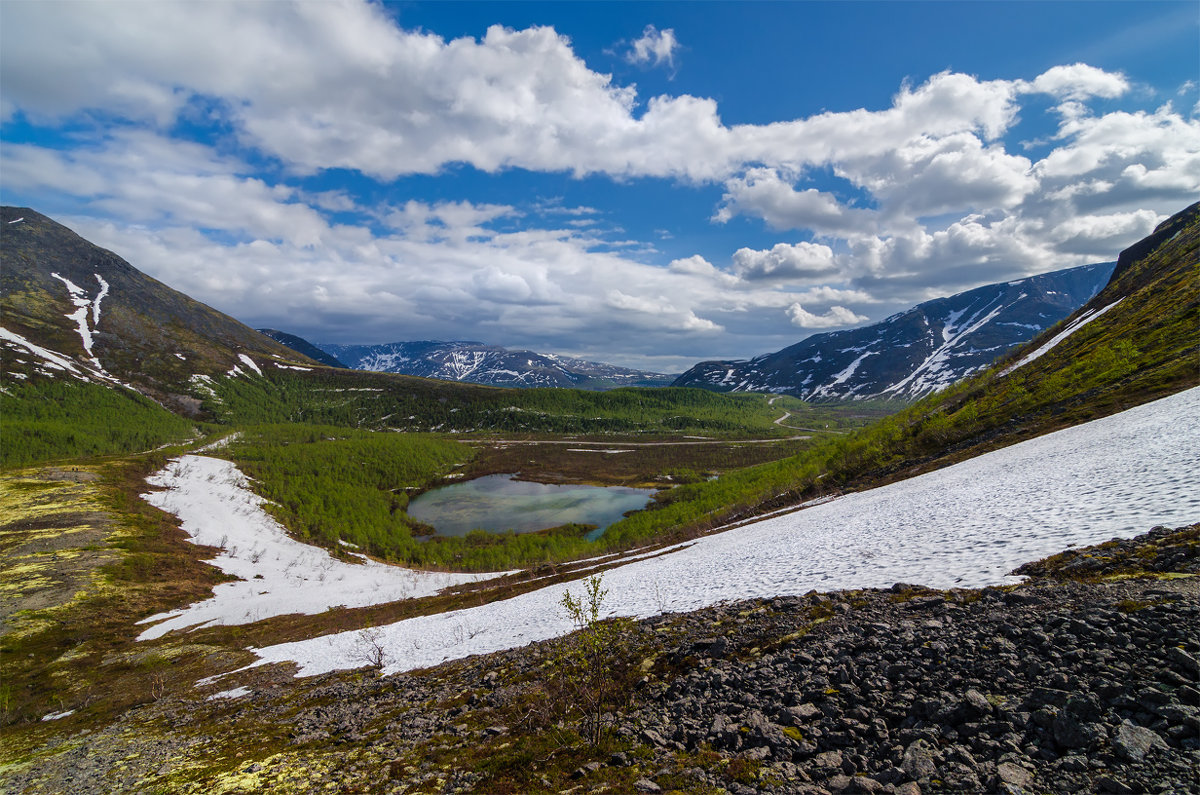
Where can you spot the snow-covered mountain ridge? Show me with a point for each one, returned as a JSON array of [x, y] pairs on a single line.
[[478, 363], [912, 353]]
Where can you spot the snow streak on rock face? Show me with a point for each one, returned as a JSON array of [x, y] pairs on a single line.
[[83, 304], [967, 525], [279, 575], [52, 363], [246, 360], [54, 360]]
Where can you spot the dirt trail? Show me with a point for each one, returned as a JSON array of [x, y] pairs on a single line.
[[780, 422]]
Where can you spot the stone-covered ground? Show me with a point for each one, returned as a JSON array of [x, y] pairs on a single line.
[[1083, 679]]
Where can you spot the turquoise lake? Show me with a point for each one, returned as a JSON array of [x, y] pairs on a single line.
[[498, 503]]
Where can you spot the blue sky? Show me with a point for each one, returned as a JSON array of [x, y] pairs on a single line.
[[643, 183]]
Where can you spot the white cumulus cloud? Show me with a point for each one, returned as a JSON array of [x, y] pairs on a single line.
[[920, 195], [836, 317], [1080, 81], [654, 46], [786, 262]]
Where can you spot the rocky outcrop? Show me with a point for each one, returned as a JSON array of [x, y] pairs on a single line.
[[1046, 688]]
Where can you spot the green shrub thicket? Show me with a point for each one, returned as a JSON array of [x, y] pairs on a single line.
[[380, 401], [48, 419], [329, 484]]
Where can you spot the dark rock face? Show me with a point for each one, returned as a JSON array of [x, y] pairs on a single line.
[[913, 353], [301, 345], [1162, 233]]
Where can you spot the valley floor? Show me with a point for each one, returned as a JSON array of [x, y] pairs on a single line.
[[966, 525], [1085, 678]]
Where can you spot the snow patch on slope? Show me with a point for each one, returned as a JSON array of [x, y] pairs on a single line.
[[99, 297], [1072, 327], [52, 359], [936, 372], [967, 525], [83, 307], [53, 362], [249, 363], [825, 389], [278, 574]]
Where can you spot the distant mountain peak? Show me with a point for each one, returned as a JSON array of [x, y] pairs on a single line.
[[914, 352], [478, 363]]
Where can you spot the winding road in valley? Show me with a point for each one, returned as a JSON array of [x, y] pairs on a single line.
[[780, 422]]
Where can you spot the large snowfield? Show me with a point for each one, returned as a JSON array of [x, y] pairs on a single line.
[[967, 525]]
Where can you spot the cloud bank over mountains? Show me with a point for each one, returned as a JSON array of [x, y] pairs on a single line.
[[190, 138]]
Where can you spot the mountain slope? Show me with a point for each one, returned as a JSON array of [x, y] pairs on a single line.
[[477, 363], [302, 346], [913, 353], [1134, 342], [98, 359], [88, 313]]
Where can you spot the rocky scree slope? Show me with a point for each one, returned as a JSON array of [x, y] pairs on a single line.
[[492, 365], [1083, 679], [82, 302], [913, 353]]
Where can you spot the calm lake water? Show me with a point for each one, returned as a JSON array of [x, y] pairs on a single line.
[[498, 503]]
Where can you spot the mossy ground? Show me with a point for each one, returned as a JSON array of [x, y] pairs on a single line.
[[83, 560]]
